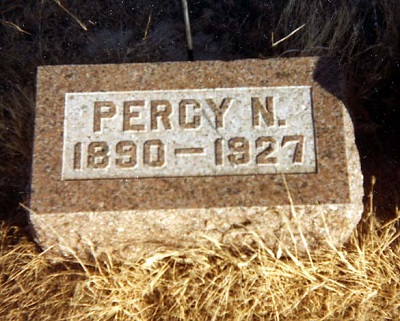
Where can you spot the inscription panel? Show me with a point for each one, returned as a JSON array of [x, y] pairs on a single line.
[[200, 132]]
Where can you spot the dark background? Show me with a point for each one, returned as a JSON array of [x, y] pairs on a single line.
[[363, 37]]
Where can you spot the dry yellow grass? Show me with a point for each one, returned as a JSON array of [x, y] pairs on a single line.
[[358, 282]]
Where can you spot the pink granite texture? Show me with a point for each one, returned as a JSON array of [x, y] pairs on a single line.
[[131, 216]]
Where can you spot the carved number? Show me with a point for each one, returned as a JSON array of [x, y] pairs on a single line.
[[126, 149], [266, 146], [239, 146], [269, 146], [298, 150]]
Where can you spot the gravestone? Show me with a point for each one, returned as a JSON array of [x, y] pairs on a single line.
[[135, 157]]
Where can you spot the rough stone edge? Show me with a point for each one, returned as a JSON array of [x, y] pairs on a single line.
[[131, 234]]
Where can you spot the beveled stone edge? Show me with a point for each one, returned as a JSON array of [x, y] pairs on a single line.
[[356, 185]]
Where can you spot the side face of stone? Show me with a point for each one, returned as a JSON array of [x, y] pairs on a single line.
[[130, 158]]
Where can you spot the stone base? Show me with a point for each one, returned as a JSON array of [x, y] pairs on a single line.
[[76, 214], [133, 233]]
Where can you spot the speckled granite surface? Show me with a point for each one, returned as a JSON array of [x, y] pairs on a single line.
[[137, 214]]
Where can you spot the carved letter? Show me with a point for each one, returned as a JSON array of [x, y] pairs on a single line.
[[196, 119], [267, 111], [102, 109], [162, 114], [220, 111], [129, 114]]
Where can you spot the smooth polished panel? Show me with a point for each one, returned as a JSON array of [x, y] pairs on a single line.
[[193, 132]]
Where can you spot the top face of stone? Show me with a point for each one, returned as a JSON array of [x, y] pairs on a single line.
[[186, 135]]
